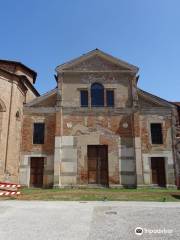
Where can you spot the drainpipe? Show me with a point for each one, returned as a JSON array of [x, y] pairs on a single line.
[[61, 133], [61, 130], [8, 131], [133, 85], [20, 148], [61, 126], [173, 136]]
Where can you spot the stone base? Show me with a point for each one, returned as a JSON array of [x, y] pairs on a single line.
[[80, 186], [122, 186], [156, 186], [94, 186], [113, 186]]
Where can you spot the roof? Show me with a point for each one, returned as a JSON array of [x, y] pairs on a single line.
[[41, 98], [177, 103], [34, 74], [30, 85], [23, 81], [155, 98], [100, 53]]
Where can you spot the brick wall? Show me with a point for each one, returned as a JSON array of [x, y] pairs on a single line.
[[27, 133]]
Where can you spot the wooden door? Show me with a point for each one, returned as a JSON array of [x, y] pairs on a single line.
[[36, 173], [98, 164], [158, 171]]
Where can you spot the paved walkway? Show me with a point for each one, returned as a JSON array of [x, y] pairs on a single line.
[[38, 220]]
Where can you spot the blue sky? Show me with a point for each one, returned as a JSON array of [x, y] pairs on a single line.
[[43, 34]]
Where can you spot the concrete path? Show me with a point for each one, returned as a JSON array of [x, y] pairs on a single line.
[[39, 220]]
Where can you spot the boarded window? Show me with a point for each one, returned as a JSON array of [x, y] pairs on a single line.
[[156, 133], [38, 134], [84, 98], [110, 98]]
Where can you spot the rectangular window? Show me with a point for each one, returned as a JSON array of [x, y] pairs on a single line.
[[156, 133], [110, 98], [38, 134], [84, 98]]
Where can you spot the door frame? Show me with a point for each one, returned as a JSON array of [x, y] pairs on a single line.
[[98, 172], [43, 158], [165, 176]]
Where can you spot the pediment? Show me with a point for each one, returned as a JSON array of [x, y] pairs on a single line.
[[96, 60], [96, 63]]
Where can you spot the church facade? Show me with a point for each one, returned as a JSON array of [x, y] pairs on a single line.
[[96, 128]]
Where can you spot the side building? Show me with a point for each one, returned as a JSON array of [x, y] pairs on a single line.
[[16, 89]]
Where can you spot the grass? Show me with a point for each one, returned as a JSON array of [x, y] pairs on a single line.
[[87, 194]]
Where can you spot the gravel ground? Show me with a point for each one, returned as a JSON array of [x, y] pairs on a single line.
[[40, 220]]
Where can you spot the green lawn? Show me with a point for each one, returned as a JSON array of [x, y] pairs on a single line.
[[87, 194]]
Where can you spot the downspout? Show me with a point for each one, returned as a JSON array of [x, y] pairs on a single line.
[[61, 127], [21, 133], [61, 107], [61, 132], [8, 130], [133, 122], [173, 136]]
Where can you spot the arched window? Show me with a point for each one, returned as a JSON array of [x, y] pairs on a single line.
[[97, 95]]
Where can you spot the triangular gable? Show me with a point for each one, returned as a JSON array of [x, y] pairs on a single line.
[[147, 100], [96, 60], [46, 100]]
